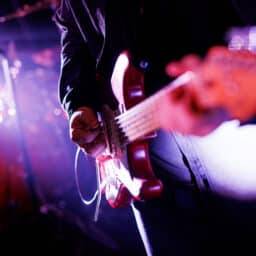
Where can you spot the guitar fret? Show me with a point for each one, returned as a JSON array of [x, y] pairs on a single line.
[[143, 118], [147, 105], [145, 124], [140, 120], [135, 120], [140, 130]]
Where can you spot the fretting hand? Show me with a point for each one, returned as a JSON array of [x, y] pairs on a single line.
[[193, 117]]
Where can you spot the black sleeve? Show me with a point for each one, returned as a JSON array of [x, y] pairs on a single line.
[[77, 82]]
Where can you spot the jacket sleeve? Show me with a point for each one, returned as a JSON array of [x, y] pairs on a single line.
[[77, 81]]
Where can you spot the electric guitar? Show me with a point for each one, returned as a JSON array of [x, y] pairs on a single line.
[[225, 79]]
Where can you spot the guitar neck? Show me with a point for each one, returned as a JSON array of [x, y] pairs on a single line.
[[143, 118]]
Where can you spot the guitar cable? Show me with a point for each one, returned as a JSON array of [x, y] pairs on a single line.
[[100, 186]]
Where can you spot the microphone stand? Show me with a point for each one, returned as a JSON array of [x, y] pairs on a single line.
[[14, 104]]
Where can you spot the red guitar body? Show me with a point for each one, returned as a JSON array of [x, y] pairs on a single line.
[[138, 151], [127, 172]]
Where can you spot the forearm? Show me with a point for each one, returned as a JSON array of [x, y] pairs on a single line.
[[77, 83]]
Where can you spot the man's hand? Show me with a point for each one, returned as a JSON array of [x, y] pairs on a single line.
[[86, 132], [193, 117]]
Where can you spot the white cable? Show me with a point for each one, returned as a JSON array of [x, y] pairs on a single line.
[[97, 193], [97, 208]]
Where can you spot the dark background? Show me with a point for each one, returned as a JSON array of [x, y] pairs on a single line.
[[36, 29]]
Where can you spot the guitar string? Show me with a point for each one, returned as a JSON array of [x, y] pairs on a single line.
[[147, 103], [142, 119], [132, 119], [140, 107], [140, 128], [140, 123], [130, 115]]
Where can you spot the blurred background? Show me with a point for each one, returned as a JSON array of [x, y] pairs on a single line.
[[39, 201]]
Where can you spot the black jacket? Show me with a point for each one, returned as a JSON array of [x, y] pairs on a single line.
[[94, 32]]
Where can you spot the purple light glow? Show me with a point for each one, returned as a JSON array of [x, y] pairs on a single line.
[[30, 114]]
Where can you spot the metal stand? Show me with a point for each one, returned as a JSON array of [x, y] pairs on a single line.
[[11, 97]]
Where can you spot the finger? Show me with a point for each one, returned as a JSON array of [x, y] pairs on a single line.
[[89, 119], [84, 122], [174, 69], [189, 62], [84, 118], [178, 94], [96, 147], [207, 121], [82, 136]]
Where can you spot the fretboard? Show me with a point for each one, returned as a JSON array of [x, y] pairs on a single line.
[[143, 118]]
